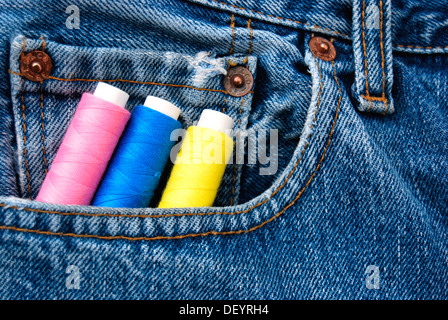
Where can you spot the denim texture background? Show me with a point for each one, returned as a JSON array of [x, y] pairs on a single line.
[[353, 189]]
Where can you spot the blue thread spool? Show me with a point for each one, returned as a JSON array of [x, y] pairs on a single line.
[[140, 156]]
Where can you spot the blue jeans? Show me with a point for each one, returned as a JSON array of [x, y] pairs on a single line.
[[356, 207]]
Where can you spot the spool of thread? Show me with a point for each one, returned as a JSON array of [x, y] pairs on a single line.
[[87, 147], [200, 163], [140, 157]]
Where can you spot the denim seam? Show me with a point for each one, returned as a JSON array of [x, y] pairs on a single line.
[[281, 18], [214, 232], [251, 41], [417, 48], [24, 127], [367, 96], [44, 152], [131, 81], [366, 63], [240, 111], [382, 55]]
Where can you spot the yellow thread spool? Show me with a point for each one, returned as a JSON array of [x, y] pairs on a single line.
[[200, 164]]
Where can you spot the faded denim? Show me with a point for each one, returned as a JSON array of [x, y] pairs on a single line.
[[362, 179]]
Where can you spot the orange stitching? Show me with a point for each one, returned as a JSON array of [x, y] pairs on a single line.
[[382, 99], [382, 57], [141, 82], [44, 44], [232, 25], [309, 135], [365, 51], [241, 110], [382, 49], [189, 214], [209, 232], [281, 18], [43, 126], [251, 41], [420, 47], [131, 81], [367, 96], [24, 128]]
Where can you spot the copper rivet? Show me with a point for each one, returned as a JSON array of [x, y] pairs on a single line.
[[36, 65], [239, 81], [322, 48]]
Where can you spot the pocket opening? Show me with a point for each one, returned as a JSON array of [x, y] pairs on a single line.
[[157, 224]]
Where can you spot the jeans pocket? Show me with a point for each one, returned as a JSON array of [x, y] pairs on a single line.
[[43, 110]]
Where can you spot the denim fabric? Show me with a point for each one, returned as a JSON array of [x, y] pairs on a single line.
[[356, 210], [372, 45]]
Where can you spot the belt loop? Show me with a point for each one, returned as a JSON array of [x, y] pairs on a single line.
[[372, 44]]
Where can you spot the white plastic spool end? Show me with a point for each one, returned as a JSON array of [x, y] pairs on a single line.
[[162, 106], [215, 120], [111, 94]]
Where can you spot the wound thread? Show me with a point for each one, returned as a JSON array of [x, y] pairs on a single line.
[[141, 155], [86, 149], [199, 167]]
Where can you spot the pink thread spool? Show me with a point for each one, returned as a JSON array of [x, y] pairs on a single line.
[[87, 147]]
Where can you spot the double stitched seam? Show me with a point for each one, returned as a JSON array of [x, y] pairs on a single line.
[[44, 152], [216, 232], [131, 81], [382, 56], [367, 96], [420, 47], [281, 18], [246, 60], [24, 127], [365, 52]]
